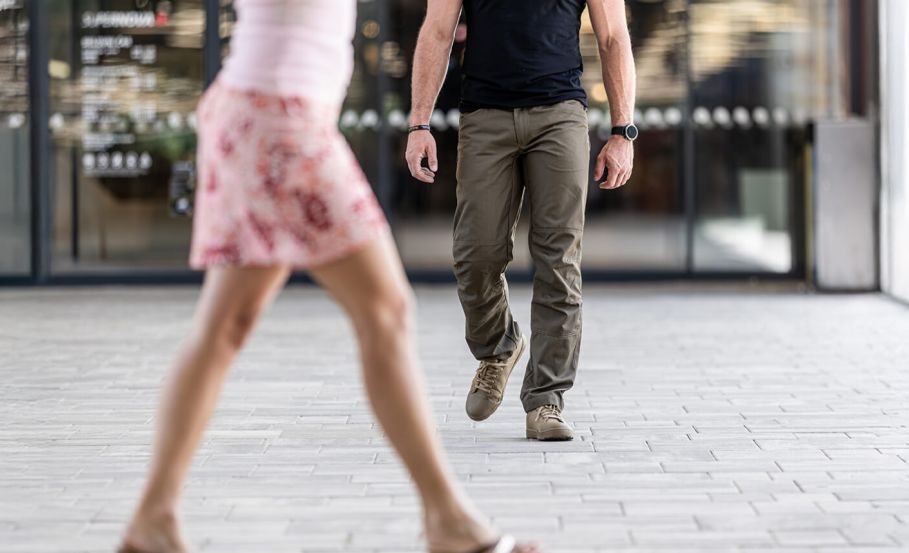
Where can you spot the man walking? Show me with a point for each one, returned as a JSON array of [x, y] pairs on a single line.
[[523, 132]]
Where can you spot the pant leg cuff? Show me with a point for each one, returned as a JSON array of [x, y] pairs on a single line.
[[537, 401]]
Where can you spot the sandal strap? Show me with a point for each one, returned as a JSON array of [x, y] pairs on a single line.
[[505, 544]]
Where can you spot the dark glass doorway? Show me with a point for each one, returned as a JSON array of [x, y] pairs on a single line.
[[125, 77], [15, 199]]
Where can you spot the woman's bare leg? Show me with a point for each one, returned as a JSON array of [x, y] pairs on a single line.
[[372, 287], [229, 305]]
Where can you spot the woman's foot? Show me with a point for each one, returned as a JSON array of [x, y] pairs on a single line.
[[463, 531], [155, 533]]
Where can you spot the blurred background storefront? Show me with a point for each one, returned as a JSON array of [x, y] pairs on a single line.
[[97, 151]]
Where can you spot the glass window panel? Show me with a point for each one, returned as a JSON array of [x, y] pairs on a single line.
[[760, 71], [641, 226], [125, 79], [362, 114], [15, 204]]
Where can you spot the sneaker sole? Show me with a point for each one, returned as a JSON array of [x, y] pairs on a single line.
[[517, 358], [550, 436]]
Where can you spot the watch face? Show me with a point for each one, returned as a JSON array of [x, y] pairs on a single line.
[[631, 132]]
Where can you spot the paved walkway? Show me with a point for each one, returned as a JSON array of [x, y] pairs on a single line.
[[708, 420]]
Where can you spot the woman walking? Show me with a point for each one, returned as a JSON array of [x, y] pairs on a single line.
[[279, 189]]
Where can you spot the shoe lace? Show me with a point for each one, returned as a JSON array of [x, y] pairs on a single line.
[[551, 412], [487, 379]]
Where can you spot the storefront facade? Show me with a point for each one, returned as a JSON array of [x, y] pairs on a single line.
[[97, 151]]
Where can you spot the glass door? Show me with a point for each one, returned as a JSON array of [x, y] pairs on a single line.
[[15, 202], [760, 72], [125, 76]]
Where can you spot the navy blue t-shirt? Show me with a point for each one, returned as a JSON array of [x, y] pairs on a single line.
[[522, 53]]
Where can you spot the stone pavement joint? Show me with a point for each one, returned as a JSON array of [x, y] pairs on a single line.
[[707, 419]]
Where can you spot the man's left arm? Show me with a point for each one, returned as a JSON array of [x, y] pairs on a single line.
[[611, 29]]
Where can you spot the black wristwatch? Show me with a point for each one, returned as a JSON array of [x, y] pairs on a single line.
[[628, 132]]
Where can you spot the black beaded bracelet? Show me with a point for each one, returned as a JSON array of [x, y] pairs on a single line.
[[418, 128]]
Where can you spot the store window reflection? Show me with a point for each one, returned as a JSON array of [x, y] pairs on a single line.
[[125, 79], [362, 114], [641, 226], [760, 73], [15, 203], [726, 92]]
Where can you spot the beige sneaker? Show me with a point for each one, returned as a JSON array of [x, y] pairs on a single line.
[[546, 424], [488, 386]]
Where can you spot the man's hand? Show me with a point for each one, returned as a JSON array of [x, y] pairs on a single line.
[[421, 145], [618, 157]]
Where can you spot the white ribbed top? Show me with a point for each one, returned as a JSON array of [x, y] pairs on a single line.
[[292, 48]]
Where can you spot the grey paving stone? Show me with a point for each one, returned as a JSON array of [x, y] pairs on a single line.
[[708, 419]]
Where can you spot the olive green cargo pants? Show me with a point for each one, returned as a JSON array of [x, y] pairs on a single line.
[[544, 151]]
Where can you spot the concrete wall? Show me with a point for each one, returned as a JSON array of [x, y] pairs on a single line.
[[845, 204], [895, 147]]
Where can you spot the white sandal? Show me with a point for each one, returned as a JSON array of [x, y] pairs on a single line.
[[505, 544]]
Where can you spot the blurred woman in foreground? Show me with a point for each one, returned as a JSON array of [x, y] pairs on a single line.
[[279, 189]]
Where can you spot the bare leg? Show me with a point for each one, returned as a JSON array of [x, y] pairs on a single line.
[[372, 287], [229, 305]]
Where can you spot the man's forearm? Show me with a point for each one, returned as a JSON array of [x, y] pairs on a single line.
[[619, 77], [430, 64]]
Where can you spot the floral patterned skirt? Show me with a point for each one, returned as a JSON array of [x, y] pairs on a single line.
[[278, 184]]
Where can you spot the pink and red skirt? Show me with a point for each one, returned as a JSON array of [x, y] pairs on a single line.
[[277, 184]]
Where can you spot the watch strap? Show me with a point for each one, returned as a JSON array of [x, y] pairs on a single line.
[[628, 132], [414, 128]]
